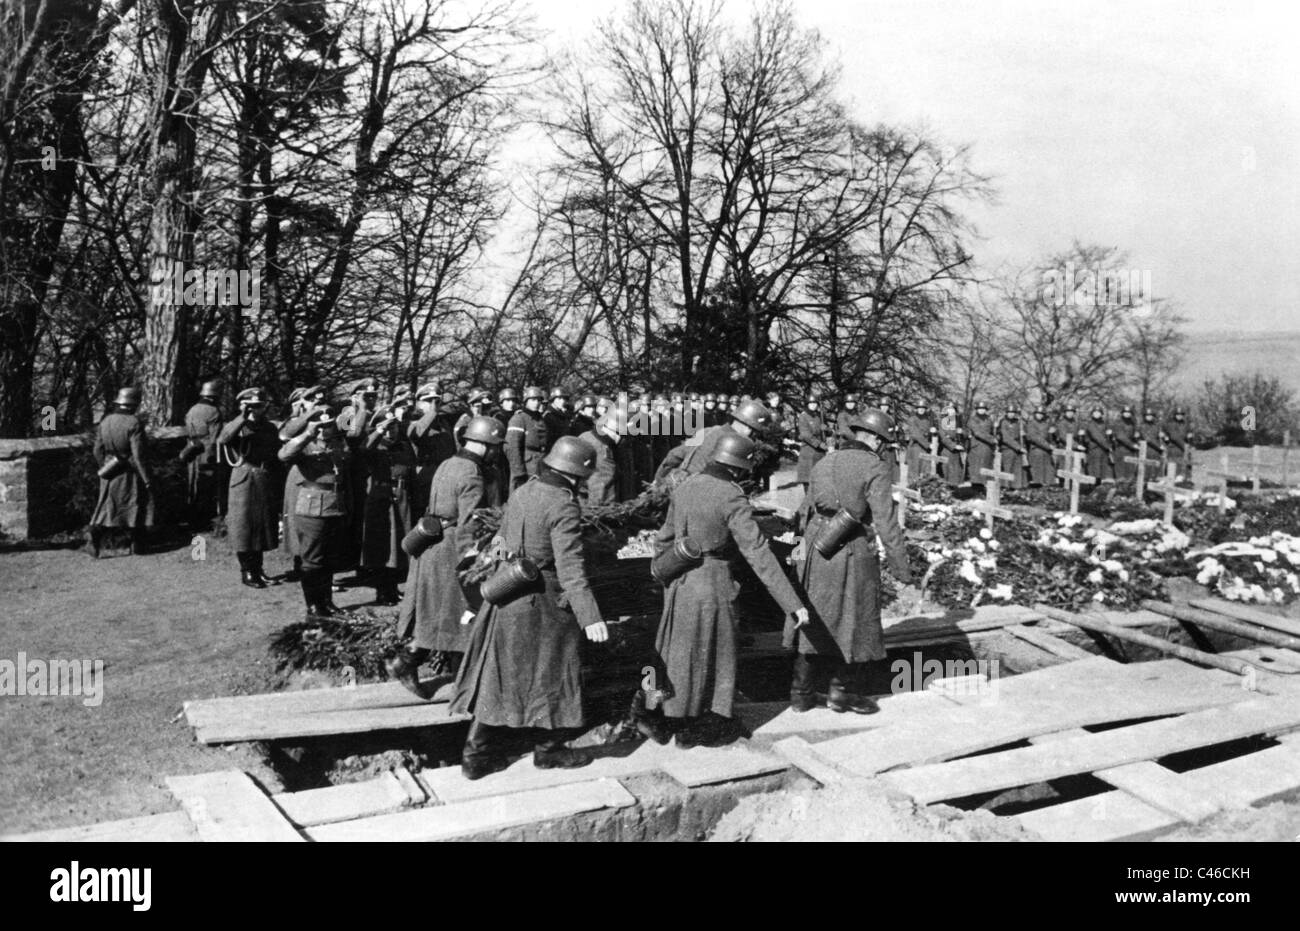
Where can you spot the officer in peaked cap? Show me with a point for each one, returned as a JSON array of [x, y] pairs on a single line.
[[252, 446]]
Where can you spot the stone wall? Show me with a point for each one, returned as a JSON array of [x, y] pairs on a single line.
[[40, 477]]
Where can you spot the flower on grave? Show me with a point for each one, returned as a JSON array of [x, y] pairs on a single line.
[[986, 534], [1210, 569], [988, 562], [1099, 597], [1001, 592], [932, 557], [995, 545], [967, 572], [1095, 576]]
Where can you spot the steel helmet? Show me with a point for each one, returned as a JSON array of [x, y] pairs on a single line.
[[710, 398], [874, 421], [559, 392], [210, 389], [753, 414], [485, 430], [507, 394], [588, 400], [571, 456], [128, 397], [534, 391], [735, 450], [480, 396]]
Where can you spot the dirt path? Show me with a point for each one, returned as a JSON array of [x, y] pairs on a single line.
[[168, 628]]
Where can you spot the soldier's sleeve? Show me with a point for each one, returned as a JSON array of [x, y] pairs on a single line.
[[884, 517], [468, 498], [753, 546], [514, 444], [230, 430], [292, 427], [806, 433], [139, 445], [665, 536], [676, 456], [566, 544], [98, 450]]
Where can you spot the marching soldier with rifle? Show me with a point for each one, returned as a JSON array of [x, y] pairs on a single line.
[[849, 502], [251, 444], [125, 482], [522, 667], [526, 438], [434, 605], [709, 520], [321, 507], [203, 498]]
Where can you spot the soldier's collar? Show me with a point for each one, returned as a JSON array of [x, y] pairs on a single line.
[[854, 444], [472, 457], [555, 480]]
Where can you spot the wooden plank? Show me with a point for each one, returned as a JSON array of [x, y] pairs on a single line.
[[327, 723], [228, 806], [448, 785], [448, 822], [1074, 694], [803, 755], [410, 785], [1048, 642], [1039, 763], [312, 701], [170, 827], [326, 805], [1160, 788], [1246, 613], [1240, 782], [894, 709]]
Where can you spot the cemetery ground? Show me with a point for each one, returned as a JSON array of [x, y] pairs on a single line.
[[170, 628]]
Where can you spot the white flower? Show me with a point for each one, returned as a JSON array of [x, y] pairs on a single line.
[[1113, 565], [1099, 596], [967, 572], [1095, 576], [995, 545], [1001, 591], [986, 534], [932, 557], [988, 562]]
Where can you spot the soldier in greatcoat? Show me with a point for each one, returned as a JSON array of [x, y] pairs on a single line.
[[1126, 445], [690, 457], [507, 402], [696, 642], [844, 631], [982, 440], [952, 445], [434, 604], [252, 444], [1038, 443], [812, 435], [1151, 432], [1011, 444], [522, 667], [917, 435], [556, 417], [526, 437], [202, 427], [125, 481], [1099, 440], [1178, 444], [386, 513], [602, 485]]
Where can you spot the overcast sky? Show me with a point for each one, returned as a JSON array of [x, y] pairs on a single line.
[[1169, 129]]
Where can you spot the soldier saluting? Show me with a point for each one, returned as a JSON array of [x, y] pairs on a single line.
[[321, 507], [851, 486], [125, 483], [434, 602], [252, 443], [697, 633], [522, 668]]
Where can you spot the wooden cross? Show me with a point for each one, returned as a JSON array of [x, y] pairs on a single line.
[[1219, 479], [1254, 468], [1141, 461], [1073, 477], [932, 458], [902, 493], [991, 506], [1065, 455], [1169, 488]]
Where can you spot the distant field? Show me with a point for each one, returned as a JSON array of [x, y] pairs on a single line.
[[1210, 355]]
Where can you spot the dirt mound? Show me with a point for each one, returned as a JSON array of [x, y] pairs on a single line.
[[857, 811]]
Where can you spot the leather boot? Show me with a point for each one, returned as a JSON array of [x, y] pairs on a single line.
[[483, 755], [405, 668], [294, 574], [139, 542], [551, 753], [95, 537], [803, 688], [248, 574], [386, 592], [650, 724], [846, 692], [258, 564], [713, 730]]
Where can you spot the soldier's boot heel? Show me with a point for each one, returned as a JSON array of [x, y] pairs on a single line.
[[405, 668]]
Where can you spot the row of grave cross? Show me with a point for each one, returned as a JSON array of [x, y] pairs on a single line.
[[1074, 477]]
